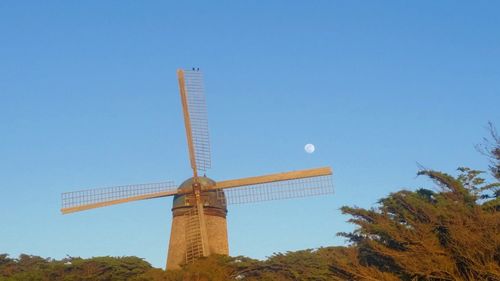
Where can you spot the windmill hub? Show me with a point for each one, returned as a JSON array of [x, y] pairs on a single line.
[[214, 201]]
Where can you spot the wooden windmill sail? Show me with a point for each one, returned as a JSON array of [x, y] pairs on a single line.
[[199, 210]]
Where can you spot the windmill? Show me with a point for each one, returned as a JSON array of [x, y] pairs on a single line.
[[199, 209]]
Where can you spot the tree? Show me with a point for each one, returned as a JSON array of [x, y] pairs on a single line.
[[426, 235], [491, 148], [34, 268]]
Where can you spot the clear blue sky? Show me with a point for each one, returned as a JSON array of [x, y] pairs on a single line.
[[89, 98]]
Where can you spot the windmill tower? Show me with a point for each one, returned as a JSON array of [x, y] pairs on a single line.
[[199, 210]]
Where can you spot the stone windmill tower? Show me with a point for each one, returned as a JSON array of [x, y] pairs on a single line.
[[199, 210]]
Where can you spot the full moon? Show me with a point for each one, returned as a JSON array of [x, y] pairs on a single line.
[[309, 148]]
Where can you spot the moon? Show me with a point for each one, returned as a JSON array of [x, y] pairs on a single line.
[[309, 148]]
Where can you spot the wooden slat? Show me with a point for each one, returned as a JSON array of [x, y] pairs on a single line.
[[203, 225], [187, 120], [117, 201], [274, 178]]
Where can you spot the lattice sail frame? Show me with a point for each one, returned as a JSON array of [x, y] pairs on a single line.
[[286, 189], [197, 108], [118, 194]]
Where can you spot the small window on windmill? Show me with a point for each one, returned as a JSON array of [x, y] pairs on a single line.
[[221, 198]]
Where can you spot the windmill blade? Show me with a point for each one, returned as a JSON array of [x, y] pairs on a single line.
[[294, 184], [76, 201], [324, 171], [195, 118]]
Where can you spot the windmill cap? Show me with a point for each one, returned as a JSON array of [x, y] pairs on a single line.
[[212, 199]]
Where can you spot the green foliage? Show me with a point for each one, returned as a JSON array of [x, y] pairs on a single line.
[[35, 268], [451, 234]]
